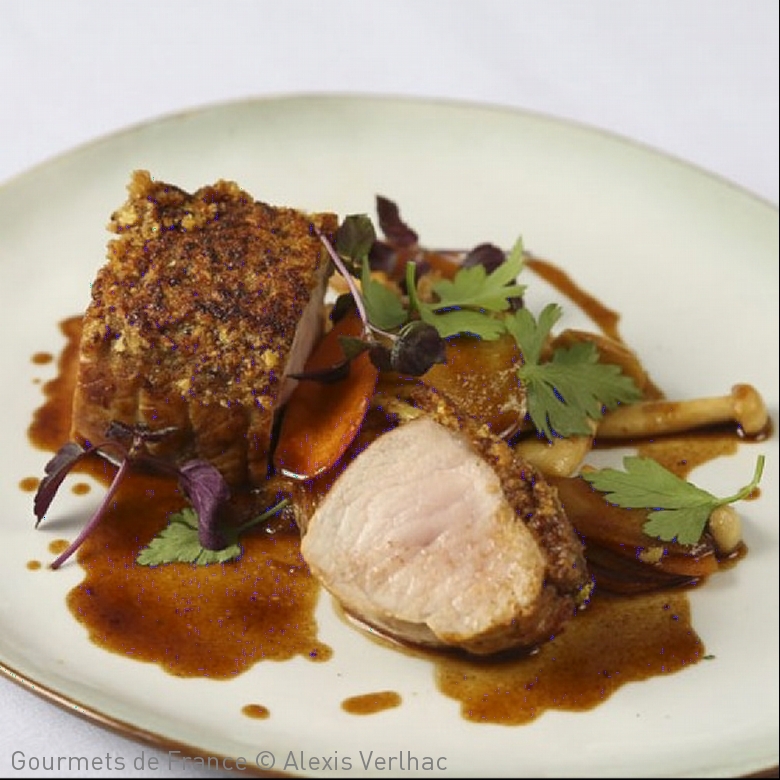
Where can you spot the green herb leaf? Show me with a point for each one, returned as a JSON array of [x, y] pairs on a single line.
[[564, 394], [384, 308], [354, 238], [529, 334], [178, 542], [678, 509], [452, 323], [474, 288], [471, 301]]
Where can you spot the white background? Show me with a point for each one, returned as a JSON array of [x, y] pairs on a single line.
[[697, 79]]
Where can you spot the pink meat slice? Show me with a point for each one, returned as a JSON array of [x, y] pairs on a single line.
[[440, 538]]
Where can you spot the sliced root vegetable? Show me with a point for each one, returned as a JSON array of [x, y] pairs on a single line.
[[321, 419], [480, 377], [619, 574], [620, 531]]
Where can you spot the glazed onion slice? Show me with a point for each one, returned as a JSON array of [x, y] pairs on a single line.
[[617, 547]]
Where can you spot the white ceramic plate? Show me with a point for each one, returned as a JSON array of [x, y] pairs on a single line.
[[691, 262]]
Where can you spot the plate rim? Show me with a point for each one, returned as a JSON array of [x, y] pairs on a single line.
[[165, 117]]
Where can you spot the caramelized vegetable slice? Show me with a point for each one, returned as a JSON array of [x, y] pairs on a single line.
[[480, 377], [321, 419], [620, 531]]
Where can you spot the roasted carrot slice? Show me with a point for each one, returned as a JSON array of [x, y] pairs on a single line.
[[322, 419]]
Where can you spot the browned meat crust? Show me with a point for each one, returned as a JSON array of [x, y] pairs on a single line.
[[196, 319], [568, 583]]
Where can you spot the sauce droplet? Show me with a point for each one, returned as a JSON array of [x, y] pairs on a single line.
[[81, 488], [50, 426], [58, 546], [42, 358], [34, 565], [256, 711], [371, 703], [29, 484]]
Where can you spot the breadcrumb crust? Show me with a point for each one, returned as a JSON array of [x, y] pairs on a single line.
[[199, 304]]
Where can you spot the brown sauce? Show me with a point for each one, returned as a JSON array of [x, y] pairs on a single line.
[[603, 317], [218, 621], [194, 621], [81, 489], [34, 565], [256, 711], [42, 358], [371, 703], [615, 641], [682, 454], [58, 546], [29, 484]]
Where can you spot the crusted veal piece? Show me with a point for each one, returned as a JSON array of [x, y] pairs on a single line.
[[438, 533], [207, 302]]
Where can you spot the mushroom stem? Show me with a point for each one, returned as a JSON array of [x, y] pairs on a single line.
[[557, 458], [743, 406]]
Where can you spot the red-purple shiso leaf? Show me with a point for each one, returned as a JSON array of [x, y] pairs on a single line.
[[56, 470], [488, 255], [397, 232], [200, 481], [207, 491], [97, 517], [417, 348], [382, 257]]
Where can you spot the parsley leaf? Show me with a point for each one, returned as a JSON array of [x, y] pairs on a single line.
[[571, 389], [452, 323], [469, 302], [179, 541], [678, 510], [475, 288], [384, 308], [529, 334]]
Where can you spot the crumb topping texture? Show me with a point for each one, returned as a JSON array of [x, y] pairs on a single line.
[[205, 291], [193, 319]]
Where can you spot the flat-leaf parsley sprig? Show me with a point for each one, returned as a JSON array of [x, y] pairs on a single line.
[[566, 393], [469, 301], [677, 510], [573, 387], [180, 540]]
